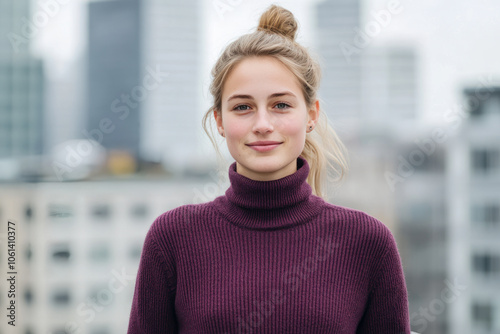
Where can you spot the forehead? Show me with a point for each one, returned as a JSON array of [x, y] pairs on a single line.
[[260, 76]]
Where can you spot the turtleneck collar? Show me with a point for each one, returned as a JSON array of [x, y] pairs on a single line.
[[271, 204]]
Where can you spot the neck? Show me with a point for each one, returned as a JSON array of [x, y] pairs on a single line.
[[278, 174], [273, 204]]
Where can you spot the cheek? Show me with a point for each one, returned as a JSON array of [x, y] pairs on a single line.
[[234, 129], [292, 128]]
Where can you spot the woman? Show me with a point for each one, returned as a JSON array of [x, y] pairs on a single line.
[[271, 255]]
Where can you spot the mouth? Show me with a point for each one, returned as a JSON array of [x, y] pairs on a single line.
[[264, 143], [264, 147]]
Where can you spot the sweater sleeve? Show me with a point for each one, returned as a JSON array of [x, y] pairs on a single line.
[[387, 309], [153, 302]]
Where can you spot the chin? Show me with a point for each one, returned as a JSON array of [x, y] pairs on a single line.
[[265, 163]]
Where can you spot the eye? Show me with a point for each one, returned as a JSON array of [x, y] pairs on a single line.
[[241, 105], [284, 104]]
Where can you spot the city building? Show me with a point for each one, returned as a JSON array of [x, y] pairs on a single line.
[[341, 82], [114, 87], [79, 245], [173, 46], [21, 90], [418, 176], [473, 202], [144, 63]]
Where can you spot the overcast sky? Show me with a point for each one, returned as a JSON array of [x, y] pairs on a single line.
[[456, 40]]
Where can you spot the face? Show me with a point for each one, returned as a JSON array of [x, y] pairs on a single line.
[[262, 101]]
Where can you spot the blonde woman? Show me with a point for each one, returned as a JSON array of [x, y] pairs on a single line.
[[271, 255]]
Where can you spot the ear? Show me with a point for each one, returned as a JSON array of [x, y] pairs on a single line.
[[313, 114], [218, 118]]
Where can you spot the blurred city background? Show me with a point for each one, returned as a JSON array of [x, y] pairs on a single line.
[[100, 132]]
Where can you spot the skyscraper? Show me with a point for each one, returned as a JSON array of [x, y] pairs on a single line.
[[144, 62], [114, 82], [173, 44], [363, 82], [341, 83], [21, 84]]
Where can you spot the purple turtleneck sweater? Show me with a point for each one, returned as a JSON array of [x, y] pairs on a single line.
[[269, 257]]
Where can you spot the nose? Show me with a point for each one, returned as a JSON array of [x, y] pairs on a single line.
[[263, 121]]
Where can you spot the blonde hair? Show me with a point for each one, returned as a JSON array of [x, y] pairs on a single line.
[[275, 37]]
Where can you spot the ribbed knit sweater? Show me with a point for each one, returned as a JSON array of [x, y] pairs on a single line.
[[269, 257]]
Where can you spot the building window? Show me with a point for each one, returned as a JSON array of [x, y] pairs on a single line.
[[485, 160], [28, 296], [491, 105], [101, 211], [482, 315], [61, 252], [434, 162], [61, 297], [28, 253], [486, 264], [486, 214], [28, 212], [60, 211]]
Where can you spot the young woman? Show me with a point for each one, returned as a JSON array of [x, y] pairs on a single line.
[[271, 255]]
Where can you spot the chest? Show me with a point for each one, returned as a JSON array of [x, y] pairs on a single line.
[[269, 290]]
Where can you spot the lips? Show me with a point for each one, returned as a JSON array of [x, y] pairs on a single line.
[[264, 143], [264, 147]]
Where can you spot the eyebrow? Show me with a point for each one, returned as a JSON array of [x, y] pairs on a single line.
[[242, 96]]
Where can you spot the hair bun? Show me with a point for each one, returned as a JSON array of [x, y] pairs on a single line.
[[279, 20]]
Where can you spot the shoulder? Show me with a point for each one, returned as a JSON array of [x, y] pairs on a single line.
[[366, 230], [177, 221], [366, 237], [173, 228], [179, 218]]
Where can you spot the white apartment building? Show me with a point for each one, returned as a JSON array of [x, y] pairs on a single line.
[[79, 245], [474, 206]]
